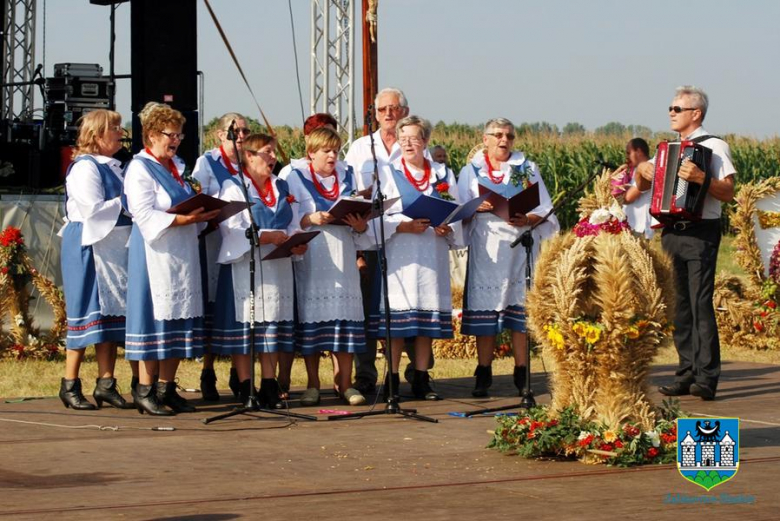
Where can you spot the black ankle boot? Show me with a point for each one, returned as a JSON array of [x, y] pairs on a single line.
[[134, 387], [105, 391], [484, 374], [519, 377], [71, 395], [167, 395], [146, 400], [396, 387], [269, 394], [421, 386], [208, 385], [243, 392], [234, 383]]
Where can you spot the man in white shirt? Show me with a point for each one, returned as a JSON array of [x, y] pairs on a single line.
[[693, 246]]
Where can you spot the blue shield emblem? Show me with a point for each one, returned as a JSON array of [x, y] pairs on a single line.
[[708, 450]]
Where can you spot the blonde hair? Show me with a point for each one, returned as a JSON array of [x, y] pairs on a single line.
[[224, 121], [254, 142], [322, 137], [93, 126], [155, 117]]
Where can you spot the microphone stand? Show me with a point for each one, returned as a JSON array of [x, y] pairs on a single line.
[[527, 240], [252, 404], [391, 407]]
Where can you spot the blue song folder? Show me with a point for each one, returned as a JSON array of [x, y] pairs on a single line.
[[440, 212]]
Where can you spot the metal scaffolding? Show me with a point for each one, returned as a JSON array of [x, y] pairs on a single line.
[[18, 58], [332, 58]]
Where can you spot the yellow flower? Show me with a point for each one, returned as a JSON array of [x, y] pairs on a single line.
[[592, 334], [554, 336], [632, 333], [609, 436], [579, 329]]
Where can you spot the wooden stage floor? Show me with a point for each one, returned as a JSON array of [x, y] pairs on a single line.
[[378, 468]]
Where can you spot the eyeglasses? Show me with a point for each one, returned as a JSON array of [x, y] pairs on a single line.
[[173, 135], [116, 128], [391, 108], [677, 109], [500, 135], [243, 131], [415, 141]]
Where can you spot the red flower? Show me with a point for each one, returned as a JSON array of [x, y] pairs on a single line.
[[584, 442], [758, 326], [291, 199], [11, 236], [618, 444], [770, 304], [553, 423], [607, 447], [652, 452], [443, 187], [631, 430], [4, 269], [764, 314]]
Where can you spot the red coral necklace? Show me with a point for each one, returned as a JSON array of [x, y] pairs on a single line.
[[423, 184], [331, 194], [496, 180]]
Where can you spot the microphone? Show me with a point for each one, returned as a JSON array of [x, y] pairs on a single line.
[[231, 131], [370, 117], [601, 162]]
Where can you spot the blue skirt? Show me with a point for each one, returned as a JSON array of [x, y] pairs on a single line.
[[147, 338], [337, 336], [491, 323], [411, 323], [86, 325], [230, 337]]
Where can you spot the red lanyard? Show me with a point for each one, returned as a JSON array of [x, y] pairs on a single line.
[[229, 164], [496, 180], [331, 194], [174, 171], [269, 197], [423, 184]]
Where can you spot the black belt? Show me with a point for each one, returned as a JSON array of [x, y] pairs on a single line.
[[681, 226]]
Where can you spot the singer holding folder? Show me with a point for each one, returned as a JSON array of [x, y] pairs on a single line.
[[164, 295], [417, 255], [494, 293], [276, 215], [330, 305]]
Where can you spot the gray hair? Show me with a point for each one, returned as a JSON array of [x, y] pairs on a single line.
[[395, 92], [415, 121], [498, 123], [697, 96]]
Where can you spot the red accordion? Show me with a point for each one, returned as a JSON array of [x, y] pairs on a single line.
[[675, 199]]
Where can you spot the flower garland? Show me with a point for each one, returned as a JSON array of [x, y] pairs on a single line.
[[589, 332], [16, 273], [521, 174], [610, 220]]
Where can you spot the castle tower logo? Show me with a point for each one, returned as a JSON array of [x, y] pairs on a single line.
[[708, 450]]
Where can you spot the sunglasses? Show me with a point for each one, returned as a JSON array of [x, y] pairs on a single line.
[[677, 109], [242, 131], [391, 108], [501, 135]]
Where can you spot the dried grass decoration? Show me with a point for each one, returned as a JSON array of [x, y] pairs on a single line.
[[747, 311], [600, 305], [16, 274]]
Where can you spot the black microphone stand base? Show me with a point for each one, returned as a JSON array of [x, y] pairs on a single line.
[[527, 401], [253, 406], [391, 407]]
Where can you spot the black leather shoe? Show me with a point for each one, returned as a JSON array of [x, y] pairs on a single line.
[[167, 395], [234, 383], [421, 386], [208, 385], [71, 395], [484, 374], [675, 389], [134, 387], [519, 378], [243, 393], [396, 387], [702, 391], [269, 394], [365, 387], [106, 391], [146, 400]]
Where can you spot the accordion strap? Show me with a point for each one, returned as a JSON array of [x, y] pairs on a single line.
[[705, 137]]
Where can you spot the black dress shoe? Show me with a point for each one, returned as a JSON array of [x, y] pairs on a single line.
[[365, 387], [484, 374], [421, 386], [208, 385], [146, 400], [702, 391], [106, 391], [167, 395], [243, 393], [234, 383], [71, 395], [269, 394], [676, 389]]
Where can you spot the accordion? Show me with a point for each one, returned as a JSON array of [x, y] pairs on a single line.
[[672, 198]]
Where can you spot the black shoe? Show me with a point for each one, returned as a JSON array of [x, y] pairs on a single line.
[[243, 392], [146, 400], [71, 395], [519, 378], [484, 374], [167, 395], [676, 389], [106, 391], [365, 387], [208, 385], [234, 383], [396, 387], [269, 394], [409, 372], [421, 387], [134, 387], [702, 391]]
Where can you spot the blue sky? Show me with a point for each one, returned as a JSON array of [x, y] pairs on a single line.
[[470, 60]]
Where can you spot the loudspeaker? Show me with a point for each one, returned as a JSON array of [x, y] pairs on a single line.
[[164, 58]]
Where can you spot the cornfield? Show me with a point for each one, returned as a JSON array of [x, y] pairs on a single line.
[[564, 160]]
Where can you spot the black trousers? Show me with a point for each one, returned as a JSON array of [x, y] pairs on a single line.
[[695, 253]]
